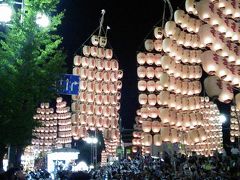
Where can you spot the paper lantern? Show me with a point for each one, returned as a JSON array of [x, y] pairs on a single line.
[[86, 51], [149, 45], [146, 126], [101, 53], [156, 125], [170, 28], [114, 65], [165, 62], [150, 58], [165, 133], [237, 101], [158, 45], [226, 94], [174, 136], [164, 114], [102, 41], [212, 85], [152, 99], [108, 53], [143, 99], [141, 58], [158, 32], [147, 140], [163, 98], [95, 40], [157, 139], [164, 80]]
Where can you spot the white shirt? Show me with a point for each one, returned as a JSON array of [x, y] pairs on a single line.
[[234, 151]]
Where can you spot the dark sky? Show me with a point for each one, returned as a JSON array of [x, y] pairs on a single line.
[[129, 23]]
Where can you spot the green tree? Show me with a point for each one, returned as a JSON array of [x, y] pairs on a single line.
[[30, 63]]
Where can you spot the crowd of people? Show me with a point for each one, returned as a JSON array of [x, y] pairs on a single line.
[[177, 166], [165, 167]]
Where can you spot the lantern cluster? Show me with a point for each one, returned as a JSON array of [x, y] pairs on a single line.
[[64, 123], [213, 131], [218, 31], [46, 133], [98, 102], [234, 123]]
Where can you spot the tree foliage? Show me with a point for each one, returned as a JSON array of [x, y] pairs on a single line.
[[30, 64]]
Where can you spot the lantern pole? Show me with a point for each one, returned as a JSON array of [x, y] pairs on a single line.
[[101, 22]]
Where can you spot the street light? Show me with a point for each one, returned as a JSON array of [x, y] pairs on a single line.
[[91, 140], [5, 13], [222, 118], [42, 20]]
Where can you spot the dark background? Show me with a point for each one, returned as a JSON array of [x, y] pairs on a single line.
[[130, 23]]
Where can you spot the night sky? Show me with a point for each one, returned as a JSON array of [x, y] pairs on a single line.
[[130, 24]]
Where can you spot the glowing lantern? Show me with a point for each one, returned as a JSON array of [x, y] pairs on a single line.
[[149, 45], [156, 125], [146, 126]]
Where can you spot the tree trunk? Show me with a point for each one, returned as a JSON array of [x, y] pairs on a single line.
[[3, 151]]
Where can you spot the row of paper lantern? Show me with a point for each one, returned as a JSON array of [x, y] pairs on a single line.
[[172, 135], [46, 136], [92, 63], [151, 45], [209, 13], [216, 88], [46, 129], [64, 140], [91, 109], [64, 115], [179, 54], [99, 40], [44, 105], [48, 123], [192, 25], [42, 142], [97, 52], [45, 110], [63, 110], [85, 73], [99, 99], [219, 44], [149, 58], [64, 122], [178, 102], [61, 104], [228, 8], [100, 87], [180, 70], [168, 65], [65, 134], [45, 117], [65, 128], [182, 38], [111, 134], [98, 121], [172, 84], [172, 117]]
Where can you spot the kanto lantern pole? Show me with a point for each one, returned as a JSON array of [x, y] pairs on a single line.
[[101, 21]]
